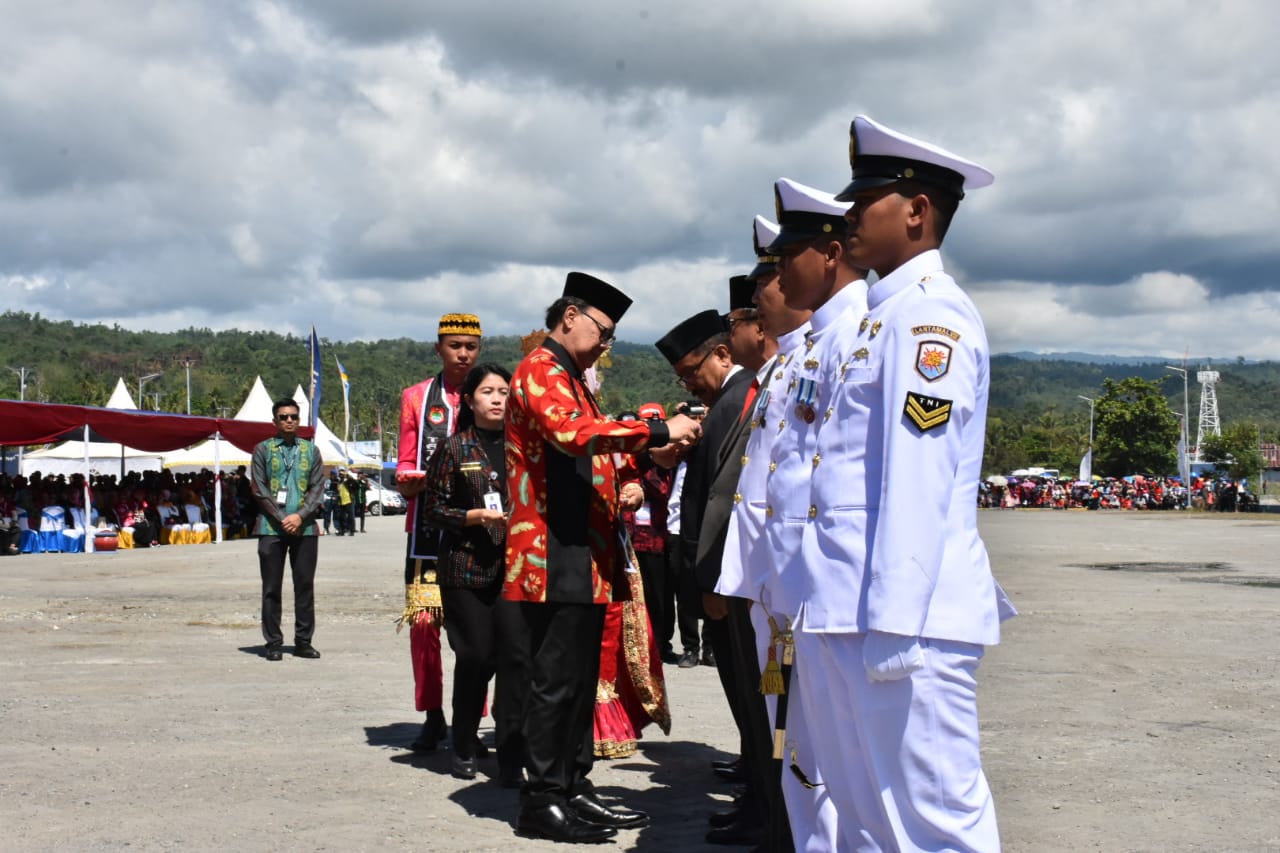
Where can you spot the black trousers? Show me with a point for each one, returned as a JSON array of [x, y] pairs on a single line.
[[301, 551], [472, 632], [514, 663], [564, 647], [716, 633], [764, 780], [343, 519], [653, 573], [684, 600]]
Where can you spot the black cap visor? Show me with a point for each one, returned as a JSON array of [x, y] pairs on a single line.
[[871, 171]]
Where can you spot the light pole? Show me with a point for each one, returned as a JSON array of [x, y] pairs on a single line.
[[1089, 400], [22, 396], [1183, 464], [355, 440], [186, 363], [143, 380]]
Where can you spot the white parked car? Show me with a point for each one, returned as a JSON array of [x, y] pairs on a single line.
[[379, 500]]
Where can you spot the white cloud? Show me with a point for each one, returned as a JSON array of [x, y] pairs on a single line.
[[367, 167], [1158, 314]]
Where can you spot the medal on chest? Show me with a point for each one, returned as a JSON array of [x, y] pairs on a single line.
[[762, 406], [806, 395]]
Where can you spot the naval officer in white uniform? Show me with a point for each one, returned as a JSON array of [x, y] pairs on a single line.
[[810, 815], [898, 600], [815, 275]]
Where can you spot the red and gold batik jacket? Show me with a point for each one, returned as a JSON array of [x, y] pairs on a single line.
[[563, 540]]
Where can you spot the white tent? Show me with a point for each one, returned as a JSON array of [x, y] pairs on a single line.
[[256, 407], [330, 446], [104, 456]]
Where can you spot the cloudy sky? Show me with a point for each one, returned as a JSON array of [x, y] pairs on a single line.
[[366, 166]]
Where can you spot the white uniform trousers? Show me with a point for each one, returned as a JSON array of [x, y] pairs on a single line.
[[900, 759], [811, 812]]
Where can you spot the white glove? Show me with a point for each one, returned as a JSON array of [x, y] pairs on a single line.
[[890, 657]]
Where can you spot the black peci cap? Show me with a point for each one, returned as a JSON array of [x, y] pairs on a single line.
[[601, 295], [691, 334]]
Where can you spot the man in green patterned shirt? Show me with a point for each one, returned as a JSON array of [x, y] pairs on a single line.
[[288, 486]]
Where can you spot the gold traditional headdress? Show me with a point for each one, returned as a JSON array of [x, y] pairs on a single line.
[[459, 324]]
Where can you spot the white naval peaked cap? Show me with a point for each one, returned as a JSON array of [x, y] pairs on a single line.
[[805, 213], [880, 155], [763, 232]]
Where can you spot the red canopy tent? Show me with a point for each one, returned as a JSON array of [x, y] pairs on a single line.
[[24, 423], [41, 423]]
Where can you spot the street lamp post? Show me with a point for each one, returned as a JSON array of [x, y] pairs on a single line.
[[1089, 400], [1186, 407], [143, 380], [1186, 412], [1184, 464], [186, 363], [22, 396]]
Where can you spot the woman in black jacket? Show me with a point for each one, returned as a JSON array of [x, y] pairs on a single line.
[[466, 499]]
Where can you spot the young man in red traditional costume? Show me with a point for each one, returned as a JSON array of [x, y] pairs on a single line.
[[428, 414]]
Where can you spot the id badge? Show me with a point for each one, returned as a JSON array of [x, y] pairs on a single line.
[[644, 515], [493, 500], [282, 497]]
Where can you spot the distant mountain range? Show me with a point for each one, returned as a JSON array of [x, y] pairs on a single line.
[[1091, 358]]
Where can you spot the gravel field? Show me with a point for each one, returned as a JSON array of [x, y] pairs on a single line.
[[1132, 705]]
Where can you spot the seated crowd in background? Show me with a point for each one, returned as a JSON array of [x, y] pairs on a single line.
[[152, 506]]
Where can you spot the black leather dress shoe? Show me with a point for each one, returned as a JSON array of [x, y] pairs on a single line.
[[592, 810], [737, 834], [719, 820], [730, 774], [273, 653], [433, 731], [669, 656], [463, 768], [306, 650], [688, 660], [708, 657], [726, 764], [556, 822]]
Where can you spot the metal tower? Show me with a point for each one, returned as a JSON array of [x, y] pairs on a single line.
[[1209, 423]]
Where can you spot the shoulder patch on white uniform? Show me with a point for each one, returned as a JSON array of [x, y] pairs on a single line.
[[935, 330], [926, 412], [933, 360]]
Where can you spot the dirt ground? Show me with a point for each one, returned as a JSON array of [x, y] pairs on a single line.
[[1132, 705]]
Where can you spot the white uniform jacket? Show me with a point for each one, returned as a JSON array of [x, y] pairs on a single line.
[[745, 561], [804, 395], [893, 543]]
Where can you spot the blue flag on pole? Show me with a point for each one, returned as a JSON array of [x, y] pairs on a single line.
[[314, 390], [346, 400]]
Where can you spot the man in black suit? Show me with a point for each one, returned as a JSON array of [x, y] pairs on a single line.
[[698, 350]]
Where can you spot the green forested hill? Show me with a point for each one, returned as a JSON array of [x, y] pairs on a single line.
[[1035, 418]]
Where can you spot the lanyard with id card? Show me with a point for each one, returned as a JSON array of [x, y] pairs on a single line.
[[492, 498]]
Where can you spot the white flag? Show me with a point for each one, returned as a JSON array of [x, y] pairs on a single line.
[[1086, 467]]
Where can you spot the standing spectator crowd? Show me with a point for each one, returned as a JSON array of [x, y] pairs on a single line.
[[1135, 492]]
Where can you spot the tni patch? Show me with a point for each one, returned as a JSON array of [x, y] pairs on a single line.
[[926, 412], [436, 415], [933, 360]]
